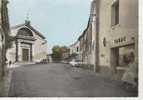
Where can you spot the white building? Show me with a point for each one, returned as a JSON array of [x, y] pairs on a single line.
[[75, 49], [29, 46]]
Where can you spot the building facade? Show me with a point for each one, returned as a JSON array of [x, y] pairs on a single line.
[[87, 45], [111, 34], [81, 45], [87, 39], [118, 33], [29, 46], [66, 55], [75, 50]]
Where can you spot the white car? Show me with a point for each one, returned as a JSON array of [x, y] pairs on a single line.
[[65, 62], [75, 63]]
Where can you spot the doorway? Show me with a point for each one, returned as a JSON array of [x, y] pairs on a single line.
[[25, 53], [119, 56]]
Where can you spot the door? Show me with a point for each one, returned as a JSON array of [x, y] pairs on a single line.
[[114, 58], [25, 53]]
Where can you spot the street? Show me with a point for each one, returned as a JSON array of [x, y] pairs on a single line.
[[62, 80]]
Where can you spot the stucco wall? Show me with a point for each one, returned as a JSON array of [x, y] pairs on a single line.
[[40, 49], [73, 48], [104, 52]]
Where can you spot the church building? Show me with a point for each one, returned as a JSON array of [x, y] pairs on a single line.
[[29, 45]]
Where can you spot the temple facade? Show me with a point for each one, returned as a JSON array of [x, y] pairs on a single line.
[[29, 45]]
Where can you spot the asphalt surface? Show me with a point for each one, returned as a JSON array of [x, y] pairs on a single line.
[[62, 80]]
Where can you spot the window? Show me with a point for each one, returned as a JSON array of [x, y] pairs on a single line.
[[77, 49], [115, 13]]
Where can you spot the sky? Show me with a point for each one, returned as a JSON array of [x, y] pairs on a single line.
[[60, 21]]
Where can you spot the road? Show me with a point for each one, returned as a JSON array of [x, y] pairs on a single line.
[[62, 80]]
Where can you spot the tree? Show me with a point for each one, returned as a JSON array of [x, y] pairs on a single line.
[[7, 39], [57, 54]]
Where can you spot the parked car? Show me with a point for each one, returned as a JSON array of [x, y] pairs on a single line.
[[75, 63], [64, 62], [44, 61]]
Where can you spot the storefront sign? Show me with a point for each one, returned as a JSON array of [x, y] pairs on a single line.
[[120, 40]]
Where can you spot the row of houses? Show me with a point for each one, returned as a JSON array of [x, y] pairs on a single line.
[[111, 34]]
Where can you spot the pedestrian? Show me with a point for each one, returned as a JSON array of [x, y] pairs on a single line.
[[130, 77]]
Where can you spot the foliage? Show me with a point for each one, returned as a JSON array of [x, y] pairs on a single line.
[[58, 52]]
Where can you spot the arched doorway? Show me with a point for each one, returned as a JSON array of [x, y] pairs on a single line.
[[24, 45]]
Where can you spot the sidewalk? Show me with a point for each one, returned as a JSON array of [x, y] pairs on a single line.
[[19, 64], [5, 84]]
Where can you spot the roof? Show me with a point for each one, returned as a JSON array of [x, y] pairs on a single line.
[[74, 43], [84, 32], [92, 13], [27, 23], [36, 31]]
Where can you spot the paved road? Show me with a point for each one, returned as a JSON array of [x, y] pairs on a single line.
[[61, 80]]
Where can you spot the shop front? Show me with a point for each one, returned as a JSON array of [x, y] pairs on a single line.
[[120, 50]]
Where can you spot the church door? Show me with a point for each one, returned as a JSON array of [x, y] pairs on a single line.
[[25, 53]]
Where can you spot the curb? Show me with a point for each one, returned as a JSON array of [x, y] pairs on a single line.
[[8, 82]]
